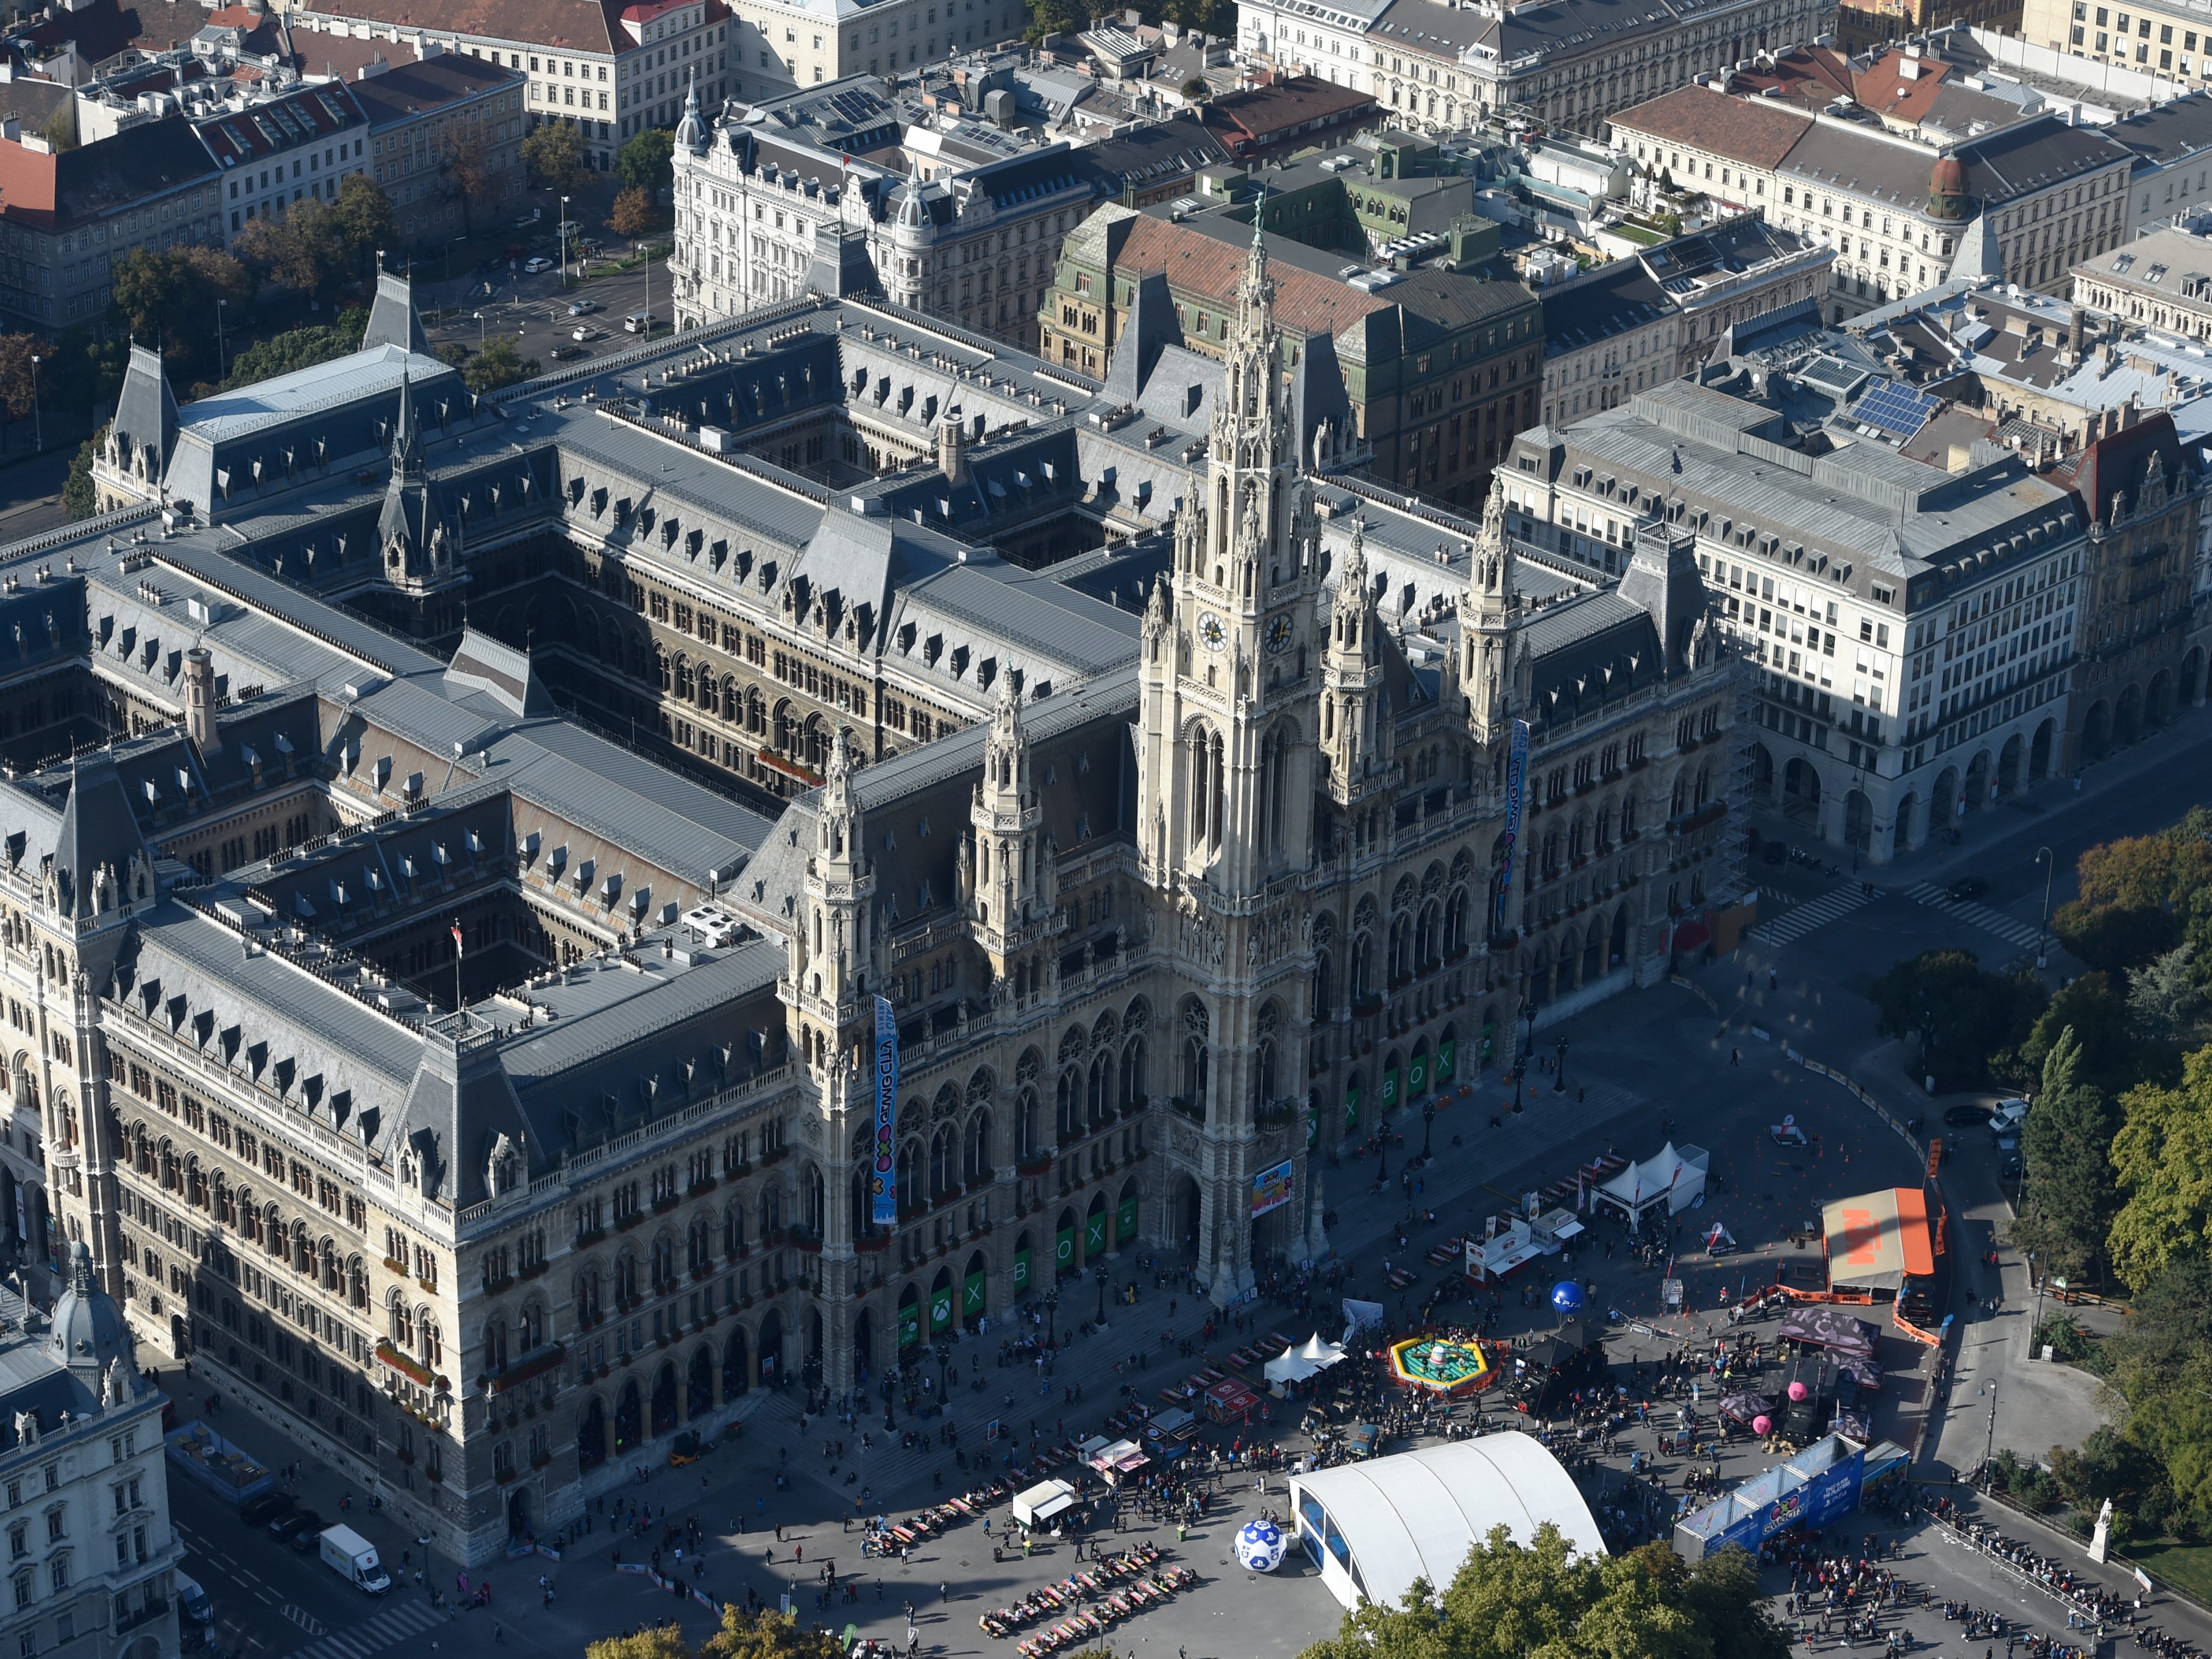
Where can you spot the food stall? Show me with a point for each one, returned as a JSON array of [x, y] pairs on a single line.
[[1115, 1460], [1231, 1400], [1036, 1506], [1511, 1242]]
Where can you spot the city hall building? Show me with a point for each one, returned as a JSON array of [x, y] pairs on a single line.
[[448, 1015]]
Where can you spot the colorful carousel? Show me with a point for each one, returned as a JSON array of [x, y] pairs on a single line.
[[1442, 1365]]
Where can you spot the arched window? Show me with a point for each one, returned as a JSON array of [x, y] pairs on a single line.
[[1195, 1059]]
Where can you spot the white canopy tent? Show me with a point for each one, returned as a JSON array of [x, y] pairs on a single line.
[[1296, 1364], [1675, 1179], [1040, 1502], [1374, 1527]]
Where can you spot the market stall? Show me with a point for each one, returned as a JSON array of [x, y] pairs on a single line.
[[1232, 1399], [1036, 1505], [1666, 1184], [1817, 1327]]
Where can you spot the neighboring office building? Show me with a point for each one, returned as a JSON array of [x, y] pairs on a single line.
[[2162, 280], [828, 189], [1618, 328], [2023, 202], [91, 1556], [1446, 68], [294, 147], [425, 120], [2167, 38], [1259, 124], [1441, 367], [2173, 146], [1910, 631], [68, 218], [2141, 495], [779, 46], [610, 72]]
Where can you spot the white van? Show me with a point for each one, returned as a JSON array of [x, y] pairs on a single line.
[[353, 1558], [2005, 1123], [192, 1601]]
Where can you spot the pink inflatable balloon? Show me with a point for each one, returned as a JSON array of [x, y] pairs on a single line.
[[1762, 1424], [1798, 1391]]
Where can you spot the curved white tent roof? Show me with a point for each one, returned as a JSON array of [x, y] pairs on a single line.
[[1381, 1524]]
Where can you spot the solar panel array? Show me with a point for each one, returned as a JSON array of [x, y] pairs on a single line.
[[1895, 408]]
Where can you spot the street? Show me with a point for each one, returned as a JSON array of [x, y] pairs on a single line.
[[533, 311]]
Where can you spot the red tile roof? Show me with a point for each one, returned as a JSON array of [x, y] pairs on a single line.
[[565, 25], [1755, 132], [1207, 268]]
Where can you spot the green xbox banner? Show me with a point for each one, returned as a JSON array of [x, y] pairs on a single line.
[[1021, 1271], [909, 1324], [971, 1294]]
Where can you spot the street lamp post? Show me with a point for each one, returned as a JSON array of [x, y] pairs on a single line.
[[38, 421], [1990, 1444], [220, 369], [481, 325], [1051, 1316], [564, 241], [1428, 1125], [2050, 863], [1099, 1270], [1560, 1082]]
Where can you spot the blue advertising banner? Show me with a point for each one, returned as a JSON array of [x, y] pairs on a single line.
[[884, 1189], [1516, 771]]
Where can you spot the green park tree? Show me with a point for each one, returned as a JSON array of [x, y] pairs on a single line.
[[2070, 1198], [1538, 1601], [2163, 1158], [78, 500], [170, 296], [643, 163], [765, 1635], [555, 154], [497, 365], [1970, 1016], [364, 212]]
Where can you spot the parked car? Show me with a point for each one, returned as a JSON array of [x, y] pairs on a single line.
[[260, 1511], [284, 1528], [536, 263], [2005, 1123], [582, 332], [561, 354], [1966, 887], [353, 1558], [1966, 1114], [192, 1601], [582, 307], [640, 322]]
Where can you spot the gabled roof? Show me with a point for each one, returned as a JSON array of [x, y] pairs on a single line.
[[1209, 268], [1757, 133]]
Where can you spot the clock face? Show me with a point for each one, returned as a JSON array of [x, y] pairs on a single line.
[[1212, 632], [1279, 636]]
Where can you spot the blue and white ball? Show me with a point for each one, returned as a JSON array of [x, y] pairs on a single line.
[[1260, 1547]]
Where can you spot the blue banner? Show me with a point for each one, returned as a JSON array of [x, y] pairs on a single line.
[[884, 1186], [1517, 770]]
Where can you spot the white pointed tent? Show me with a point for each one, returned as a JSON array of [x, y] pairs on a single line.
[[1296, 1364], [1671, 1182]]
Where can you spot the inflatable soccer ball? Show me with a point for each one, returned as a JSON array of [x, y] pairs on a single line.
[[1260, 1546]]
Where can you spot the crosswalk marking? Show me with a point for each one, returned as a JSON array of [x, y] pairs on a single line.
[[1795, 924], [388, 1628], [2010, 929]]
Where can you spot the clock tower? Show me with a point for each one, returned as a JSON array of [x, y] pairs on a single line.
[[1230, 673]]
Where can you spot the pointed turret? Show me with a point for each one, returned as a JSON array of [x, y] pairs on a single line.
[[1488, 621], [691, 130], [1352, 678], [833, 953]]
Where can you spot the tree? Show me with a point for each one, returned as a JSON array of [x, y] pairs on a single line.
[[79, 500], [644, 164], [497, 365], [2115, 935], [18, 382], [1970, 1017], [2096, 1012], [306, 250], [765, 1635], [2066, 1145], [86, 370], [467, 183], [365, 219], [297, 349], [170, 296], [657, 1642], [633, 214], [2163, 1158], [1510, 1600], [553, 154], [60, 129], [2165, 1000]]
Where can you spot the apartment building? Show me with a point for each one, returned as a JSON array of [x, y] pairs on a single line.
[[780, 45], [445, 141], [1618, 328], [1910, 630], [611, 72], [84, 1496], [847, 186], [2022, 203], [1443, 68], [1441, 365], [67, 218], [2167, 38], [2162, 280]]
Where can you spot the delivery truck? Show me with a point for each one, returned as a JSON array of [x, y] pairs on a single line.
[[353, 1558]]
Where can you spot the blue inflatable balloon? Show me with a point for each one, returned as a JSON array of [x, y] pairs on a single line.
[[1567, 1295]]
